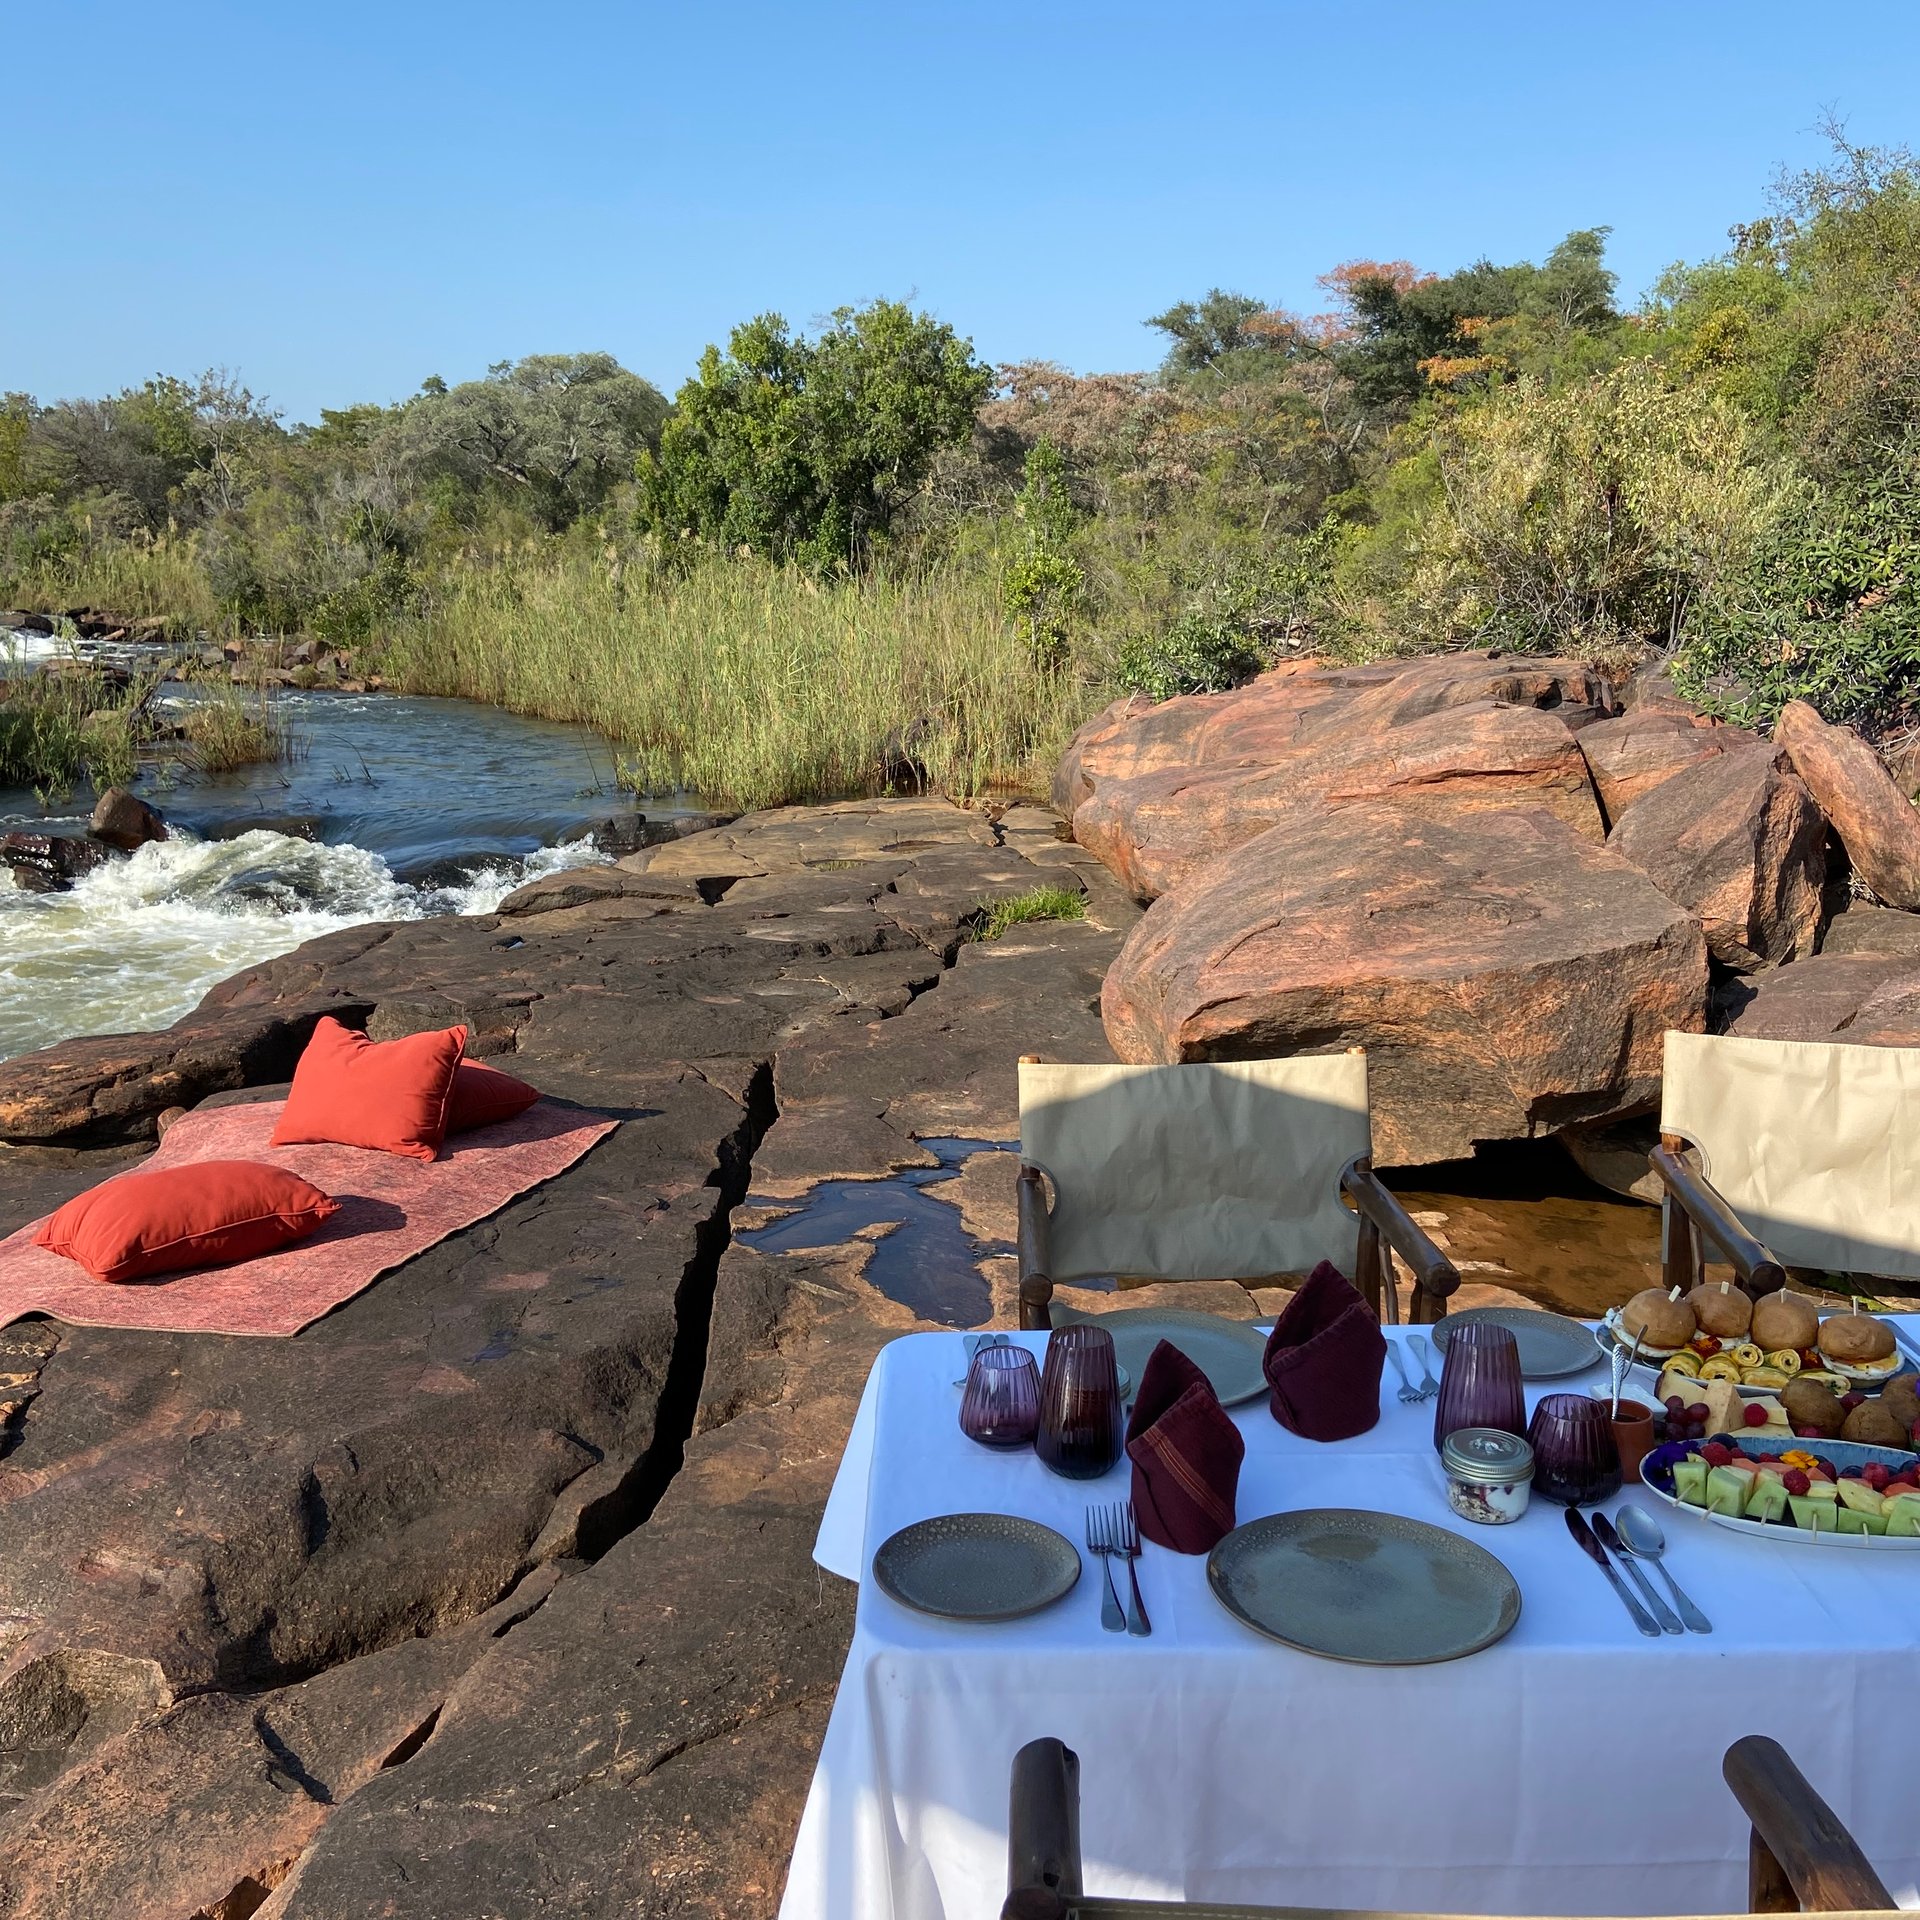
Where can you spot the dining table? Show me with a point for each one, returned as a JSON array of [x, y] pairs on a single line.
[[1571, 1768]]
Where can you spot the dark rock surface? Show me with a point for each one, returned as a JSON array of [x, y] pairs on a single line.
[[49, 862], [122, 819], [421, 1611]]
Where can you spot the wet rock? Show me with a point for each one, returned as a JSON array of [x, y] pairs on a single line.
[[1877, 824], [124, 820], [1155, 828], [1632, 755], [1737, 840], [1506, 976], [23, 621], [49, 862]]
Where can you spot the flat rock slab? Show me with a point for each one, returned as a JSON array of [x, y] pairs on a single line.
[[1642, 749], [1877, 824], [1865, 999], [1505, 975], [1736, 839]]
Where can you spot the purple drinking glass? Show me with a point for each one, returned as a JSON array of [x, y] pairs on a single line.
[[1001, 1406], [1575, 1460], [1480, 1382], [1079, 1434]]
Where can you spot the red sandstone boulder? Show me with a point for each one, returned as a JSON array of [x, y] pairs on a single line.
[[122, 819], [1865, 999], [1505, 975], [1877, 824], [1632, 755], [1272, 716], [1155, 828], [1737, 840]]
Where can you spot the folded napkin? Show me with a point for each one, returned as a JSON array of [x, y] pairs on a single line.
[[1324, 1358], [1186, 1455]]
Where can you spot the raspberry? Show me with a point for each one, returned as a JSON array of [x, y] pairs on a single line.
[[1717, 1455], [1852, 1400], [1796, 1482], [1755, 1414], [1813, 1433]]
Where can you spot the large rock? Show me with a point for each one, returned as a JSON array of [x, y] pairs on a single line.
[[48, 862], [1271, 718], [122, 819], [1505, 975], [1737, 840], [1864, 999], [1155, 828], [1877, 824], [1632, 755]]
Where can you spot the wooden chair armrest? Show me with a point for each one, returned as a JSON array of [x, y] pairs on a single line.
[[1043, 1832], [1434, 1274], [1036, 1251], [1801, 1859], [1694, 1194]]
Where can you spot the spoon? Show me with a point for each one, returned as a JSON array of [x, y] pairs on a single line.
[[1641, 1536]]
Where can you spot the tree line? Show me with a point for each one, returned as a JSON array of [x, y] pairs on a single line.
[[1725, 472]]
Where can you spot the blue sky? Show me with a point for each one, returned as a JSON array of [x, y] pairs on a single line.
[[339, 200]]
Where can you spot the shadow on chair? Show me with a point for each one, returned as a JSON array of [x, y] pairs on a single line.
[[1800, 1859]]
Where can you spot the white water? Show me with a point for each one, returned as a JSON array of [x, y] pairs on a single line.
[[136, 943]]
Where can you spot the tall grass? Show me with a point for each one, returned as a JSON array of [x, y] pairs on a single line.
[[752, 685], [132, 577], [57, 729], [228, 728]]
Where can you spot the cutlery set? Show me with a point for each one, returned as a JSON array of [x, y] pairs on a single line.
[[1113, 1534], [1642, 1541], [1410, 1395]]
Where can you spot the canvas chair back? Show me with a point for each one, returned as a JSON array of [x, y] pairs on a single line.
[[1221, 1171], [1815, 1145]]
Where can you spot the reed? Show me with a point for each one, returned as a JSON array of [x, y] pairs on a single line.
[[228, 728], [145, 574], [57, 729], [751, 685]]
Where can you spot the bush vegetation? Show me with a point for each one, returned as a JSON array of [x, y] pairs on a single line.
[[861, 557]]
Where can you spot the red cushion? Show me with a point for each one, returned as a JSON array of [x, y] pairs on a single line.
[[354, 1092], [482, 1095], [204, 1215]]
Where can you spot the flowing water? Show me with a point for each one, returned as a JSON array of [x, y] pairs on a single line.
[[392, 808]]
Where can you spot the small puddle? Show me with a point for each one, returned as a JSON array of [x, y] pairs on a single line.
[[927, 1262]]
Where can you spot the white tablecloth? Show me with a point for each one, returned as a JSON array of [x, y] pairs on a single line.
[[1573, 1768]]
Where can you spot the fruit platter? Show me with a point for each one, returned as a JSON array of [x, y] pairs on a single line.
[[1718, 1332], [1823, 1493]]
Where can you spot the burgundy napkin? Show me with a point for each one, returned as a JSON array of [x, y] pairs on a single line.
[[1186, 1456], [1324, 1358]]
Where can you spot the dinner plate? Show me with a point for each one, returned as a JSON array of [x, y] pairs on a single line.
[[1228, 1352], [976, 1566], [1373, 1588], [1551, 1346]]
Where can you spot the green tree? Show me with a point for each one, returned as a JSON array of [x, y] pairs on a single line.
[[1214, 339], [809, 449], [556, 432]]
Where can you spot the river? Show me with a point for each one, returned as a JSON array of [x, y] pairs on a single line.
[[392, 807]]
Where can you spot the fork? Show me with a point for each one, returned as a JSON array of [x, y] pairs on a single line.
[[1125, 1534], [1429, 1386], [1410, 1395], [1098, 1542]]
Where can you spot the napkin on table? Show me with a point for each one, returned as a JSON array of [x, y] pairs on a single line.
[[1186, 1455], [1324, 1358]]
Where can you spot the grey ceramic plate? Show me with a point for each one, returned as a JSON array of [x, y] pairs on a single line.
[[977, 1566], [1367, 1587], [1550, 1344], [1228, 1352]]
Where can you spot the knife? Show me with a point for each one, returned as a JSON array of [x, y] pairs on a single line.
[[1668, 1619], [1583, 1536]]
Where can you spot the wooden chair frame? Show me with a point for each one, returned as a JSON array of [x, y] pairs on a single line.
[[1696, 1212], [1800, 1858], [1382, 1223]]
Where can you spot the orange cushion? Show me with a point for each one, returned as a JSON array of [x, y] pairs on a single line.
[[204, 1215], [482, 1095], [354, 1092]]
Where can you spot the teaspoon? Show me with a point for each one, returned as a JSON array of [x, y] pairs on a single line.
[[1641, 1536]]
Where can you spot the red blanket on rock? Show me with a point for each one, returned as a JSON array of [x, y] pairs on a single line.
[[391, 1208]]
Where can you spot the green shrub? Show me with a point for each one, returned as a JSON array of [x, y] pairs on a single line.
[[1037, 903]]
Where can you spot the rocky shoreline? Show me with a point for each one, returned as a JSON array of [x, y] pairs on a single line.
[[491, 1593]]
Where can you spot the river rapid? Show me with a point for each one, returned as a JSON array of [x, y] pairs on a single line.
[[392, 807]]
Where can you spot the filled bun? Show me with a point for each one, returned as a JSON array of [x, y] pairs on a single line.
[[1785, 1320], [1658, 1323], [1722, 1310], [1856, 1339]]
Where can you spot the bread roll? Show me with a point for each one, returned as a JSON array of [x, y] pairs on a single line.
[[1660, 1324], [1855, 1339], [1722, 1310], [1785, 1320]]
